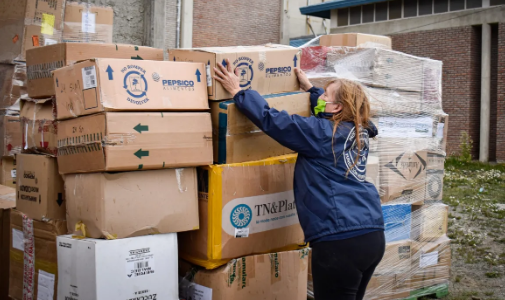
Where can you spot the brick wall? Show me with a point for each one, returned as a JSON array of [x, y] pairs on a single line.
[[232, 22], [500, 135], [459, 49]]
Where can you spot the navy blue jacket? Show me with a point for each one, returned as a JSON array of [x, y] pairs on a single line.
[[327, 200]]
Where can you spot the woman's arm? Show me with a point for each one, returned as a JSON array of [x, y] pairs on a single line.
[[308, 87]]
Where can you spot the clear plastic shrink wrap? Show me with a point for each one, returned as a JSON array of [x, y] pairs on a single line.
[[87, 23], [405, 162]]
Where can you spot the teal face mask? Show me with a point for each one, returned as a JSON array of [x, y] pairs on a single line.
[[320, 107]]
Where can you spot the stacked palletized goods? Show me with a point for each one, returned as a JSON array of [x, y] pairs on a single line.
[[248, 244], [406, 160]]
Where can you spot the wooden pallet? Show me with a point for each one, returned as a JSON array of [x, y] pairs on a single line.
[[437, 292]]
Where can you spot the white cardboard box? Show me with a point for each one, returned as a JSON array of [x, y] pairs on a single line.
[[142, 267]]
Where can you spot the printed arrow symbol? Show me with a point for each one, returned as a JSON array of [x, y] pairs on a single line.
[[141, 153], [110, 71], [295, 59], [137, 57], [208, 63], [198, 74], [139, 128], [60, 199], [224, 63], [174, 58]]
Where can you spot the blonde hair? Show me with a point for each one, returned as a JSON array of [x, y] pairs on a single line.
[[355, 108]]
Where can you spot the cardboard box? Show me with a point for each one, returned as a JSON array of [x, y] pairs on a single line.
[[87, 23], [435, 170], [40, 193], [267, 69], [12, 83], [397, 221], [10, 135], [7, 201], [26, 24], [429, 222], [388, 287], [33, 260], [8, 171], [98, 85], [431, 263], [136, 268], [356, 40], [280, 276], [402, 175], [42, 61], [391, 102], [134, 141], [38, 123], [372, 170], [397, 258], [236, 219], [105, 204], [237, 139]]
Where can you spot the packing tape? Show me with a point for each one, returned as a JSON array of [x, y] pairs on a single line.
[[80, 226], [40, 264], [28, 259]]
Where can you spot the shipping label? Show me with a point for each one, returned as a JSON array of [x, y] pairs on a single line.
[[18, 240], [249, 215], [139, 262], [88, 24], [88, 77], [428, 259], [397, 127], [198, 292], [45, 287]]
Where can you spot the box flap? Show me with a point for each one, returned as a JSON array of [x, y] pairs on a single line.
[[80, 144]]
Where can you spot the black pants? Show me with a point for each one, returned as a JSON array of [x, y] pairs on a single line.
[[342, 269]]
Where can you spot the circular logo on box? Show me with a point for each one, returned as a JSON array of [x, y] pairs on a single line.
[[245, 71], [435, 186], [241, 216], [261, 66], [156, 77], [135, 84]]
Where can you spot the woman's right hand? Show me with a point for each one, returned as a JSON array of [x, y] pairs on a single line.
[[303, 80]]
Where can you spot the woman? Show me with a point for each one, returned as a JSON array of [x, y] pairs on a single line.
[[339, 211]]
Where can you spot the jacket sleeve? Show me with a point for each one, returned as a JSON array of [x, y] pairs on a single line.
[[300, 134], [315, 92]]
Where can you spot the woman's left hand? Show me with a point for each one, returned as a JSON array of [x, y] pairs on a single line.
[[227, 78]]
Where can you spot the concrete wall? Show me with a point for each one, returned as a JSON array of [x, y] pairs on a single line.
[[431, 22], [295, 24], [128, 20]]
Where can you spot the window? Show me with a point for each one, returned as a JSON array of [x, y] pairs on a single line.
[[441, 6], [343, 17], [368, 11], [395, 9], [497, 2], [410, 8], [355, 15], [425, 7], [457, 5], [473, 3], [381, 11]]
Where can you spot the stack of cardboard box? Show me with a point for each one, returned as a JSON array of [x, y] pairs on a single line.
[[250, 244], [406, 161]]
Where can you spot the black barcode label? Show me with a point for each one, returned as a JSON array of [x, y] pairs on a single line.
[[139, 262], [88, 77], [142, 264]]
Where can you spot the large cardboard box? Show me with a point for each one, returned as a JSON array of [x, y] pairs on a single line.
[[356, 40], [429, 222], [267, 69], [87, 23], [397, 221], [40, 193], [7, 201], [431, 263], [10, 135], [38, 123], [8, 171], [42, 61], [118, 141], [372, 170], [12, 83], [397, 258], [280, 276], [245, 208], [388, 287], [136, 268], [99, 85], [33, 260], [26, 24], [236, 139], [126, 204]]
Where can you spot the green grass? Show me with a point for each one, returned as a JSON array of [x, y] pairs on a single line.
[[493, 275]]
